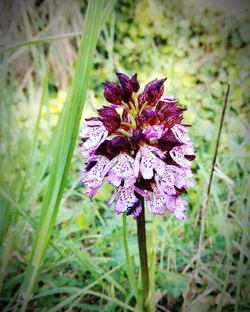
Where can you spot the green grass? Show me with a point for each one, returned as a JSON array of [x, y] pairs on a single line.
[[61, 250]]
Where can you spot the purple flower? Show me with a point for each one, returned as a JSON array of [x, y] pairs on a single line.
[[120, 170], [181, 134], [180, 155], [127, 200], [173, 204], [180, 210], [140, 146], [166, 182], [92, 136], [159, 203], [147, 160], [93, 174]]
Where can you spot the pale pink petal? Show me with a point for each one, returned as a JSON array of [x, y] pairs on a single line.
[[157, 151], [93, 134], [121, 168], [180, 133], [142, 193], [150, 162], [114, 179], [146, 168], [177, 154], [109, 166], [170, 202], [126, 200], [180, 209], [137, 163], [113, 196], [93, 179], [160, 167]]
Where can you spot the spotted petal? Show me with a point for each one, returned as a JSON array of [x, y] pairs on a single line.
[[180, 209], [92, 136], [181, 134], [148, 162], [120, 169], [127, 200], [178, 155], [93, 179]]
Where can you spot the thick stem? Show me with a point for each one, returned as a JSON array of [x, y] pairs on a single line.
[[141, 234], [131, 276]]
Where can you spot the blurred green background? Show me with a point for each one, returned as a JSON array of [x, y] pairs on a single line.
[[200, 46]]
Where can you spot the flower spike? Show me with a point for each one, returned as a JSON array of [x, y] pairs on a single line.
[[140, 146]]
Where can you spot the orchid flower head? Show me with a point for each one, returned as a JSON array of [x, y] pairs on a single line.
[[139, 145]]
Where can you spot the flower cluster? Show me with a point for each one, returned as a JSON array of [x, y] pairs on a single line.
[[140, 146]]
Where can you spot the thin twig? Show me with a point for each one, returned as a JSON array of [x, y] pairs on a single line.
[[205, 205]]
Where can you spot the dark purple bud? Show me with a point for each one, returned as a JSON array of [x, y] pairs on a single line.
[[110, 118], [127, 88], [134, 82], [112, 92], [121, 144], [154, 91]]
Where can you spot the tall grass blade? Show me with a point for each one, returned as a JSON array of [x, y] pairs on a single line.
[[68, 126]]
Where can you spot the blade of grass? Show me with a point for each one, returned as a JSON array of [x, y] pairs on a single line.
[[99, 295], [82, 257], [68, 126]]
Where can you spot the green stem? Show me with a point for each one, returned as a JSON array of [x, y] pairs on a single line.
[[142, 108], [152, 263], [130, 272], [128, 125], [141, 234], [128, 135]]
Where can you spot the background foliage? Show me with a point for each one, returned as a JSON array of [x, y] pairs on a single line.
[[199, 47]]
